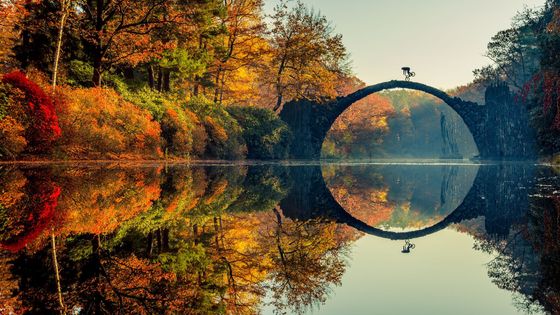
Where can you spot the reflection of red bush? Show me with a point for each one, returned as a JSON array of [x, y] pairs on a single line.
[[44, 127], [42, 203]]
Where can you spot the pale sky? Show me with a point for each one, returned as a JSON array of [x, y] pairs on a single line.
[[443, 41]]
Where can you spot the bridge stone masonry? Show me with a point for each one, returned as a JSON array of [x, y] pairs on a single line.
[[500, 128]]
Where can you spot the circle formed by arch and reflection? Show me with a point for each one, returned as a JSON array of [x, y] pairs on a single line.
[[399, 196], [309, 198]]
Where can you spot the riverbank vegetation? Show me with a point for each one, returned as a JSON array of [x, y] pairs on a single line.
[[158, 79], [525, 56], [205, 80]]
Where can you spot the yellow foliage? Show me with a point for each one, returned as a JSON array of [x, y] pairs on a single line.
[[12, 137], [98, 123], [99, 201], [216, 130], [12, 189]]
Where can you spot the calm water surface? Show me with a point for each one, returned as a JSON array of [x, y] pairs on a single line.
[[285, 238]]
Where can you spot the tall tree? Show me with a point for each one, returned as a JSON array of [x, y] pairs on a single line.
[[306, 56], [117, 31], [11, 14], [189, 42], [241, 45], [64, 8], [515, 52]]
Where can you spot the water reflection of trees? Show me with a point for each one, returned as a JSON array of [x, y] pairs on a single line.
[[199, 240], [397, 196], [192, 240], [528, 254]]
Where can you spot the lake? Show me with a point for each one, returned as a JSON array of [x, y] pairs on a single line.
[[373, 237]]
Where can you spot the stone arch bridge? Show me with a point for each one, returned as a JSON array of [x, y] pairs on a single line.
[[500, 127]]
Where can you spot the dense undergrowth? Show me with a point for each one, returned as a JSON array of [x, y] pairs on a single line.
[[117, 123]]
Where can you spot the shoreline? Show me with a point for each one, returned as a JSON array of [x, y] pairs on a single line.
[[288, 162]]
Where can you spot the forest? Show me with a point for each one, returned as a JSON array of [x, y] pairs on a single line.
[[151, 79], [206, 79]]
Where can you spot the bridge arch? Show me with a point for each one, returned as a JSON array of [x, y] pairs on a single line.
[[311, 121], [309, 197]]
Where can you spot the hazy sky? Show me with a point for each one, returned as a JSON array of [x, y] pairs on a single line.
[[442, 40]]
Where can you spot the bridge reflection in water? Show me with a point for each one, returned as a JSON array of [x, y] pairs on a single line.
[[493, 194], [234, 233]]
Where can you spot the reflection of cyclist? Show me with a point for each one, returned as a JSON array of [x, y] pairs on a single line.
[[407, 247]]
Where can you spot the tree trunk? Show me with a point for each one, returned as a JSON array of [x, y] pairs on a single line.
[[165, 239], [57, 275], [160, 79], [98, 53], [223, 84], [158, 240], [97, 70], [150, 242], [26, 39], [196, 87], [151, 76], [278, 102], [65, 6], [217, 84], [195, 233], [166, 80]]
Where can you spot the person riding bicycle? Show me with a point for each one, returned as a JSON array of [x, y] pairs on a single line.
[[407, 73]]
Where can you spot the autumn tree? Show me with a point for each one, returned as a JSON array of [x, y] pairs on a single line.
[[189, 41], [514, 52], [241, 46], [34, 109], [117, 31], [306, 56], [11, 14]]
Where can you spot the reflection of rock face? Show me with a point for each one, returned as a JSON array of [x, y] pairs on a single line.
[[506, 195], [454, 182], [499, 192]]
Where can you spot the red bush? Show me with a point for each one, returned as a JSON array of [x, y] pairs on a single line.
[[43, 125], [34, 215]]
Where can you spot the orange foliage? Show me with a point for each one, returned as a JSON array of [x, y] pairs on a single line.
[[216, 130], [369, 205], [98, 123], [369, 113], [11, 13], [98, 201]]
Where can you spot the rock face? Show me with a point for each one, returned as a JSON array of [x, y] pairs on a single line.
[[500, 128], [449, 146], [508, 134]]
